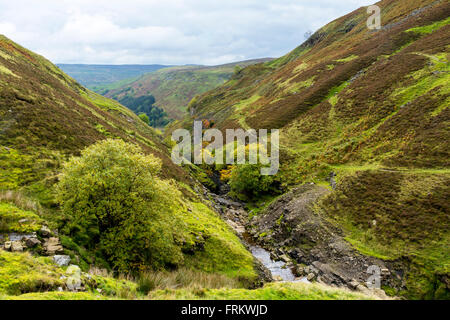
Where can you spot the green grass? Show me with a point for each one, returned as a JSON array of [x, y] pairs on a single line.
[[10, 215], [431, 27], [55, 295], [223, 252], [272, 291]]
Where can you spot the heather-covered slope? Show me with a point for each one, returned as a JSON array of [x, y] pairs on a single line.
[[47, 116], [370, 109], [173, 88]]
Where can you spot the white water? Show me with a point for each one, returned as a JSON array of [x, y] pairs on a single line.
[[277, 268]]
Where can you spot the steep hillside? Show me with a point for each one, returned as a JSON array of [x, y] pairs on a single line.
[[99, 76], [47, 116], [173, 88], [368, 111]]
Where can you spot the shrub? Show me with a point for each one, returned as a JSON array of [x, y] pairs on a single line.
[[246, 182], [144, 118], [113, 194]]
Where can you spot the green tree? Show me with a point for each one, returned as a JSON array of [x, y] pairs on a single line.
[[246, 182], [144, 118], [114, 190]]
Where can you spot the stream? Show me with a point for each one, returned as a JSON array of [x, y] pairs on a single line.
[[233, 213], [278, 269]]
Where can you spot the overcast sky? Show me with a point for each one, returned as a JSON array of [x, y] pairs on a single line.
[[165, 31]]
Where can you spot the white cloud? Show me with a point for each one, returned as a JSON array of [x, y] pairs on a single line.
[[166, 32]]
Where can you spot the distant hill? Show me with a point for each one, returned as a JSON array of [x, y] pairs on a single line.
[[93, 76], [174, 87]]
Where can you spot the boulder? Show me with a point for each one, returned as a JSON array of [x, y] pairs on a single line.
[[61, 260], [16, 246], [53, 246], [73, 282], [7, 245], [277, 278], [353, 284], [299, 270], [311, 277], [32, 242], [45, 231]]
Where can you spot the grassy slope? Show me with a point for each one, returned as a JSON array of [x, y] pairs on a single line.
[[173, 88], [46, 117], [37, 278], [272, 291], [350, 100]]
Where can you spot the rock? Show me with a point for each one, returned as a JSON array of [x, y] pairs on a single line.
[[53, 246], [385, 272], [277, 278], [21, 236], [7, 245], [285, 258], [61, 260], [32, 242], [74, 278], [23, 220], [353, 284], [299, 271], [45, 231], [311, 277], [16, 246]]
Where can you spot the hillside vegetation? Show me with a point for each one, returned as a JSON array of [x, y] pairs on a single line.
[[174, 87], [46, 119], [368, 111]]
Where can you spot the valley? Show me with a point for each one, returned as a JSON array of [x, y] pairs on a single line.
[[92, 207]]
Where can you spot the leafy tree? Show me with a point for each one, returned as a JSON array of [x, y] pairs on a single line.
[[145, 105], [246, 182], [144, 118], [113, 191]]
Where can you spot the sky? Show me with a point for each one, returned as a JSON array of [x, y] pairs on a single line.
[[170, 32]]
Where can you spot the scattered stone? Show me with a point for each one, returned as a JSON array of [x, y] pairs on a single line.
[[53, 246], [61, 260], [277, 278], [385, 272], [353, 284], [7, 245], [32, 242], [45, 231], [299, 271], [74, 278], [16, 246], [21, 236]]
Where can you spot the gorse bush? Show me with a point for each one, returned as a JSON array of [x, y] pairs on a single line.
[[115, 199]]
